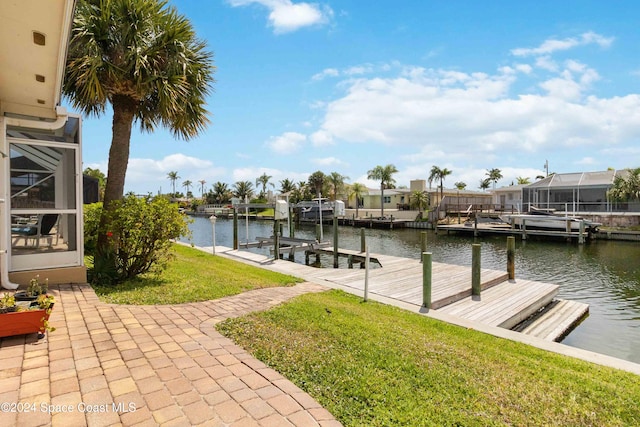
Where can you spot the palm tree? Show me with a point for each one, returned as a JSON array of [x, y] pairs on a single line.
[[242, 189], [494, 175], [523, 180], [316, 182], [202, 183], [357, 190], [287, 186], [337, 183], [460, 185], [384, 174], [173, 177], [484, 184], [439, 174], [221, 192], [264, 181], [187, 185], [420, 200], [625, 189], [144, 59]]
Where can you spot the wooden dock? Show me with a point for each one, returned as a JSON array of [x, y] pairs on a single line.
[[503, 303], [496, 228]]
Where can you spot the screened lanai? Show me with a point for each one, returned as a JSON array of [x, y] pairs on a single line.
[[572, 192]]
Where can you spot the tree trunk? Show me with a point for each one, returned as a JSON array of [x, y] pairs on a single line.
[[123, 112], [382, 200]]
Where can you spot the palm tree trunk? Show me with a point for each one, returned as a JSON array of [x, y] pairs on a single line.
[[123, 113], [382, 200]]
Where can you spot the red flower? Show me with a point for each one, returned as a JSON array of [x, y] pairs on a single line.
[[109, 234]]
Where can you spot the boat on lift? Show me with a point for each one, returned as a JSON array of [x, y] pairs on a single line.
[[549, 220]]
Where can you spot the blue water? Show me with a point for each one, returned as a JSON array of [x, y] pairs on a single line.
[[603, 274]]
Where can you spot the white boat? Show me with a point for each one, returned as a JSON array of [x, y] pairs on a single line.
[[543, 220], [309, 211]]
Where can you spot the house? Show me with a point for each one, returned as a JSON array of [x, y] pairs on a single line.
[[508, 198], [41, 223], [574, 192]]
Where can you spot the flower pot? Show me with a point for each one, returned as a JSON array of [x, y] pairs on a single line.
[[24, 322], [23, 296]]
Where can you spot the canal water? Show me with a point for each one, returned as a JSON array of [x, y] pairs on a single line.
[[603, 274]]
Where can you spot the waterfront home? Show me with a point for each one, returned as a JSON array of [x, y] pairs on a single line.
[[576, 192], [41, 230]]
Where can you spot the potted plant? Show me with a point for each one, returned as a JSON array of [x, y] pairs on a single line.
[[19, 319], [34, 289]]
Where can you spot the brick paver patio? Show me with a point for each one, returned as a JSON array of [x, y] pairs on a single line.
[[108, 365]]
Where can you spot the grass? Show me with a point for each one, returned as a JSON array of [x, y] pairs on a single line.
[[376, 365], [192, 276]]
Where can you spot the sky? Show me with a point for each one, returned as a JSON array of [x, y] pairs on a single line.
[[344, 86]]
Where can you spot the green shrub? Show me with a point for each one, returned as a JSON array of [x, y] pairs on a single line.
[[139, 231]]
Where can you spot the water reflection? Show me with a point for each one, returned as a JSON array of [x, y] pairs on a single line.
[[604, 274]]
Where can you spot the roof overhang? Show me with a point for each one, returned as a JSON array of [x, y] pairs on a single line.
[[35, 37]]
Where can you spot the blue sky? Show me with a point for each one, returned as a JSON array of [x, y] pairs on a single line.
[[347, 85]]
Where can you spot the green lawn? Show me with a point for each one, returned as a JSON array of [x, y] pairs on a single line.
[[376, 365], [192, 276]]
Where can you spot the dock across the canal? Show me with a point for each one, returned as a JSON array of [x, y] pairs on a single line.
[[528, 306]]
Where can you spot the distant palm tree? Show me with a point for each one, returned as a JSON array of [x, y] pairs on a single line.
[[460, 185], [523, 180], [316, 182], [420, 200], [242, 189], [202, 183], [337, 183], [187, 185], [287, 186], [173, 177], [221, 192], [439, 174], [494, 175], [264, 181], [484, 184], [384, 174], [357, 190]]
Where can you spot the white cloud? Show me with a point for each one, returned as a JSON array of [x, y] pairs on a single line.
[[287, 143], [553, 45], [151, 174], [476, 117], [321, 138], [586, 161], [286, 16], [327, 72], [328, 161]]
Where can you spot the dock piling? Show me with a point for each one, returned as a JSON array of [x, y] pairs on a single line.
[[475, 269], [335, 242], [235, 229], [366, 275], [511, 257], [581, 234], [276, 239], [423, 243], [362, 240], [426, 279]]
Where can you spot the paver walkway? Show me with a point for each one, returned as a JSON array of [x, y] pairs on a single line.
[[108, 365]]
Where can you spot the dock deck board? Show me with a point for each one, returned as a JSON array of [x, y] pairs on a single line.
[[554, 323], [504, 303]]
